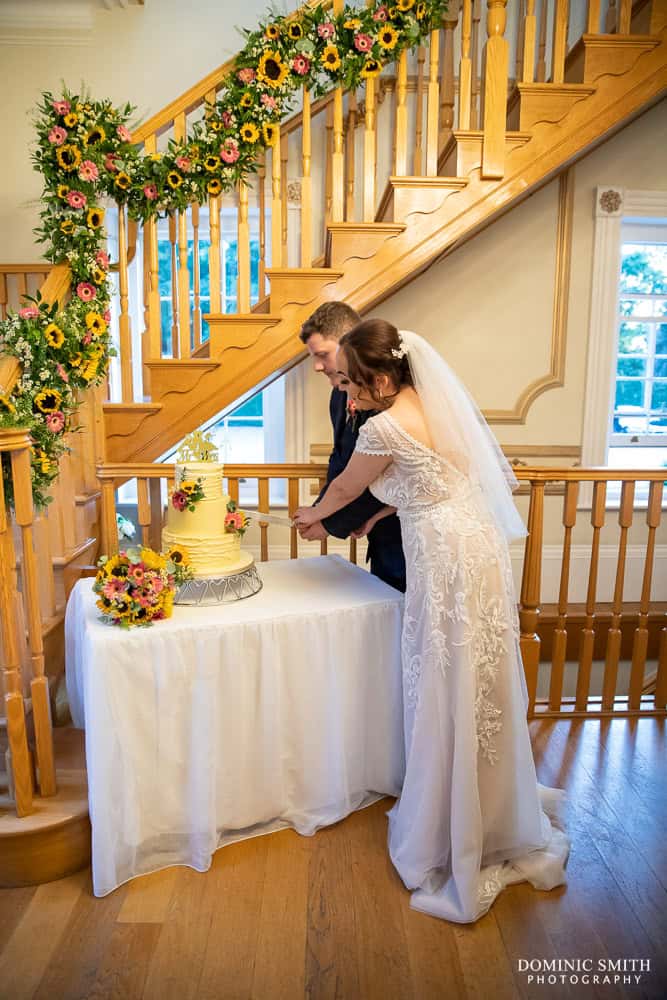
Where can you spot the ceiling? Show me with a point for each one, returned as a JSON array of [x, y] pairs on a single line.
[[54, 22]]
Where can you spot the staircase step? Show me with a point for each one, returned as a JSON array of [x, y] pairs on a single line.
[[462, 153], [124, 419], [357, 240], [176, 375], [295, 286], [532, 104], [404, 196], [596, 55], [229, 331]]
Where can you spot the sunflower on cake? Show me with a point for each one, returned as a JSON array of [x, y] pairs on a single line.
[[201, 518]]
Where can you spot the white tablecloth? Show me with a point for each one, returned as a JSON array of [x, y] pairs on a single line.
[[225, 722]]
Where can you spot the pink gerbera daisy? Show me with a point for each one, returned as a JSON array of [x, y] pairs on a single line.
[[229, 151], [150, 190], [102, 259], [300, 65], [381, 14], [76, 199], [246, 75], [124, 133], [61, 107], [57, 135], [183, 163], [326, 29], [55, 421], [110, 162], [363, 43], [61, 372], [269, 102], [30, 312], [88, 171], [227, 118], [86, 291]]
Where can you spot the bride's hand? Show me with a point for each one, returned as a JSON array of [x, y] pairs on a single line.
[[305, 516], [363, 530]]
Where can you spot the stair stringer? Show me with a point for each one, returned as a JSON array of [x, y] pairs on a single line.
[[401, 258]]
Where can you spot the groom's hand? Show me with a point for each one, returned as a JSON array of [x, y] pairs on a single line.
[[314, 533]]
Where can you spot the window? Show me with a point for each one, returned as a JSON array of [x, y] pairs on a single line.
[[639, 410], [625, 406]]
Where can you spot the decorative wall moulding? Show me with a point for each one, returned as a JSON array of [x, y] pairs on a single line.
[[54, 22]]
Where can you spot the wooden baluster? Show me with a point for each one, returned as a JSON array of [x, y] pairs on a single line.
[[542, 47], [284, 157], [39, 685], [174, 286], [447, 93], [243, 252], [143, 511], [306, 186], [261, 181], [292, 504], [155, 532], [4, 297], [233, 488], [660, 702], [21, 286], [593, 22], [324, 543], [495, 91], [530, 592], [432, 105], [527, 72], [47, 585], [418, 162], [124, 318], [610, 21], [337, 156], [196, 277], [183, 272], [640, 639], [154, 351], [263, 503], [560, 41], [109, 525], [465, 68], [328, 170], [475, 109], [401, 128], [613, 654], [559, 652], [350, 139], [624, 17], [214, 258], [370, 145], [276, 209], [588, 631], [521, 40], [353, 551], [19, 765]]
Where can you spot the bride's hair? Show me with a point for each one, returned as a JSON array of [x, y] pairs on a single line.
[[368, 350]]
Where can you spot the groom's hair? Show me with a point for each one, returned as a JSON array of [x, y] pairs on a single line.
[[330, 320]]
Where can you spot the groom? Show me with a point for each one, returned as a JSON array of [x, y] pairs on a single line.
[[321, 333]]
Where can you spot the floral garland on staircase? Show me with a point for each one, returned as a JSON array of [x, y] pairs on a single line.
[[85, 154]]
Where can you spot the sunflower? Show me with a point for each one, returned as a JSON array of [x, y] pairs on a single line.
[[62, 191], [249, 132], [71, 120], [330, 58], [272, 31], [48, 401], [89, 370], [123, 181], [6, 405], [95, 217], [215, 125], [295, 31], [67, 227], [352, 23], [174, 179], [370, 69], [44, 461], [99, 276], [68, 157], [94, 136], [405, 5], [246, 100], [179, 555], [421, 11], [270, 133], [152, 560], [95, 323], [211, 163], [76, 360], [388, 37], [272, 70], [54, 335], [214, 186]]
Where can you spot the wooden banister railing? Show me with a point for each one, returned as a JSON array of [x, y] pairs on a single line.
[[580, 636], [17, 281]]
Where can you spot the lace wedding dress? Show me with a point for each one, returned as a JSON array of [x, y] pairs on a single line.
[[472, 817]]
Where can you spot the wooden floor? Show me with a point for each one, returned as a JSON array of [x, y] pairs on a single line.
[[285, 916]]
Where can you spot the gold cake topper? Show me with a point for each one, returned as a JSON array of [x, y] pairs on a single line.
[[197, 447]]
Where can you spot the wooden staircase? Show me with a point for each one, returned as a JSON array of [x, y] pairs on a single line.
[[599, 86]]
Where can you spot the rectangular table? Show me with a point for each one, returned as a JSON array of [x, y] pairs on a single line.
[[225, 722]]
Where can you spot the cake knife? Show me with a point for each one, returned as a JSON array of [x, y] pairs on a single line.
[[281, 519]]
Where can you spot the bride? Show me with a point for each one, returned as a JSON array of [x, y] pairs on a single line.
[[471, 817]]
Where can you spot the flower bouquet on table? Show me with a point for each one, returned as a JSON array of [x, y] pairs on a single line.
[[179, 565], [135, 587]]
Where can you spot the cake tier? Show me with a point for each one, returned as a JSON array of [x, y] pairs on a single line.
[[206, 520], [210, 554]]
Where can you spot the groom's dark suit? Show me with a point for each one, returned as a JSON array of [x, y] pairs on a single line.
[[385, 550]]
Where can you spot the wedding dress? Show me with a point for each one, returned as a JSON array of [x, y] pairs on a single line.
[[472, 817]]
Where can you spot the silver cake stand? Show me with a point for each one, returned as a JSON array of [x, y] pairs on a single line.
[[220, 590]]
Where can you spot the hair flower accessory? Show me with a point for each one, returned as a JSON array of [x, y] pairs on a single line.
[[399, 352]]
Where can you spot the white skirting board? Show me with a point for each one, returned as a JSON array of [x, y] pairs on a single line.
[[551, 565]]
